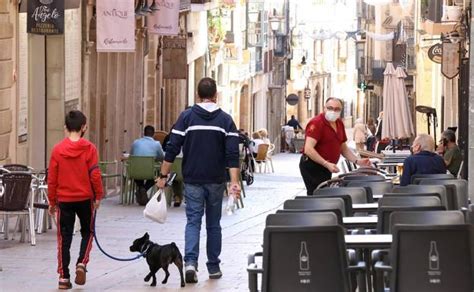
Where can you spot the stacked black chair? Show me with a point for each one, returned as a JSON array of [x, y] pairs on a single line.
[[346, 198], [302, 219], [303, 259], [316, 204], [373, 188], [358, 194], [459, 186], [431, 258], [404, 195], [447, 199], [416, 178]]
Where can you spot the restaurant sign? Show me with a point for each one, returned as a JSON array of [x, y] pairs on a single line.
[[45, 17], [450, 59], [435, 53]]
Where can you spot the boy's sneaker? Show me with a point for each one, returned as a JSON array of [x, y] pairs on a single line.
[[215, 275], [80, 274], [64, 284], [191, 275]]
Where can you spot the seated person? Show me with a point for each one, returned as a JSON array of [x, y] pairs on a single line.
[[255, 142], [264, 135], [423, 160], [146, 146], [450, 151]]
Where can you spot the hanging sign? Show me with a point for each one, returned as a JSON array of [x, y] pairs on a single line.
[[175, 65], [435, 53], [307, 93], [292, 99], [45, 17], [450, 59], [115, 26], [165, 21]]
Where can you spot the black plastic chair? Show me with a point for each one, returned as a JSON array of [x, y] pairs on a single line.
[[470, 214], [363, 178], [358, 194], [405, 195], [409, 201], [373, 188], [383, 215], [303, 259], [447, 199], [346, 198], [426, 218], [336, 212], [416, 178], [460, 189], [302, 219], [317, 203], [431, 258]]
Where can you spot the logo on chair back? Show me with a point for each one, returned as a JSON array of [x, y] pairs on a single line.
[[434, 272], [304, 271]]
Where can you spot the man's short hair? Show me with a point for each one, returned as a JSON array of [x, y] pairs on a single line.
[[449, 135], [75, 120], [149, 131], [336, 99], [207, 88], [425, 141]]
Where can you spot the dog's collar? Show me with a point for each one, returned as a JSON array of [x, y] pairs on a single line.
[[144, 251]]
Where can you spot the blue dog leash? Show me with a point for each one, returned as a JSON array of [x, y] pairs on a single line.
[[95, 234]]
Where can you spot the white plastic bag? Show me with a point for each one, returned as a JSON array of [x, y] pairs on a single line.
[[156, 208]]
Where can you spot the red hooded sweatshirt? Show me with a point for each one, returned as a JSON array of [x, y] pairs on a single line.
[[68, 173]]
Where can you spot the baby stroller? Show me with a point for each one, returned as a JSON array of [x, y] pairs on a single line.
[[246, 169]]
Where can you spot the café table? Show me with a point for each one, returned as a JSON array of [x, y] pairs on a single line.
[[367, 222], [367, 207]]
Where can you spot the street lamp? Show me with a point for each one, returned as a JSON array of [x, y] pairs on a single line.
[[275, 22], [253, 16]]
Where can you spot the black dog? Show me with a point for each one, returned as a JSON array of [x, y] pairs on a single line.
[[158, 256]]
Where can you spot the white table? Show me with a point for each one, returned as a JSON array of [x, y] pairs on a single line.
[[368, 207]]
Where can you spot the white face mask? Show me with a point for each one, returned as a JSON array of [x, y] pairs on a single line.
[[332, 116]]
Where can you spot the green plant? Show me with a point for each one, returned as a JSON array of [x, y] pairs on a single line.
[[215, 28]]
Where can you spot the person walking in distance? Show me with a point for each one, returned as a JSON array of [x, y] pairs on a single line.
[[325, 141], [210, 143], [74, 188], [360, 134]]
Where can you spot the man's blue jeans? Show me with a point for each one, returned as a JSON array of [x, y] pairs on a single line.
[[200, 198]]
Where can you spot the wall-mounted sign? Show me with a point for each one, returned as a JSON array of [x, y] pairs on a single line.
[[175, 65], [292, 99], [450, 59], [45, 17], [115, 26], [165, 21], [435, 53]]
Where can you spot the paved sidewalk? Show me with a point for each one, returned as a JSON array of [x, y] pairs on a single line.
[[33, 268]]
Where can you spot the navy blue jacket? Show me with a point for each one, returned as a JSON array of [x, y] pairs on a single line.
[[210, 143], [424, 162]]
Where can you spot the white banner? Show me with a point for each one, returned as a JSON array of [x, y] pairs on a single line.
[[380, 37], [115, 26], [166, 20]]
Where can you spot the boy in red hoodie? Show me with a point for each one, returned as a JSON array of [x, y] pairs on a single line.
[[72, 174]]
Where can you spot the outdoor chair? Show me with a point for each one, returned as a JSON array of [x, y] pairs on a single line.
[[457, 186], [416, 178], [303, 259], [106, 173], [383, 215], [447, 198], [347, 179], [413, 194], [336, 212], [269, 160], [431, 258], [316, 203], [160, 136], [409, 201], [346, 198], [358, 194], [261, 158], [470, 214], [373, 187], [15, 199], [17, 167], [138, 168], [302, 219]]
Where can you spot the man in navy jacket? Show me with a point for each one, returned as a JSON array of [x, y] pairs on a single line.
[[210, 143], [423, 160]]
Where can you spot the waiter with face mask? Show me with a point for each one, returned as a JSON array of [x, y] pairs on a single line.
[[325, 141]]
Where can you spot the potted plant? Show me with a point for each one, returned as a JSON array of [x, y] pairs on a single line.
[[451, 12]]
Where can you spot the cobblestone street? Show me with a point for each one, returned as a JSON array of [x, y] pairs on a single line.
[[33, 268]]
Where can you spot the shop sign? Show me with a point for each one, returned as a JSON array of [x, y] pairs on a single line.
[[307, 93], [165, 21], [435, 53], [115, 26], [292, 99], [45, 17], [450, 59], [175, 65]]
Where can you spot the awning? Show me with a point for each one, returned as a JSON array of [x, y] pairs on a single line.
[[68, 4]]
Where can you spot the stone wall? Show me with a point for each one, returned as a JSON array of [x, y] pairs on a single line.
[[7, 67]]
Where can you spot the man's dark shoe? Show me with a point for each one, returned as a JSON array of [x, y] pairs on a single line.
[[215, 275], [142, 196], [190, 274], [64, 284]]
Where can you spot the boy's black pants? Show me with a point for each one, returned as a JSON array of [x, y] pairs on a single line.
[[66, 215]]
